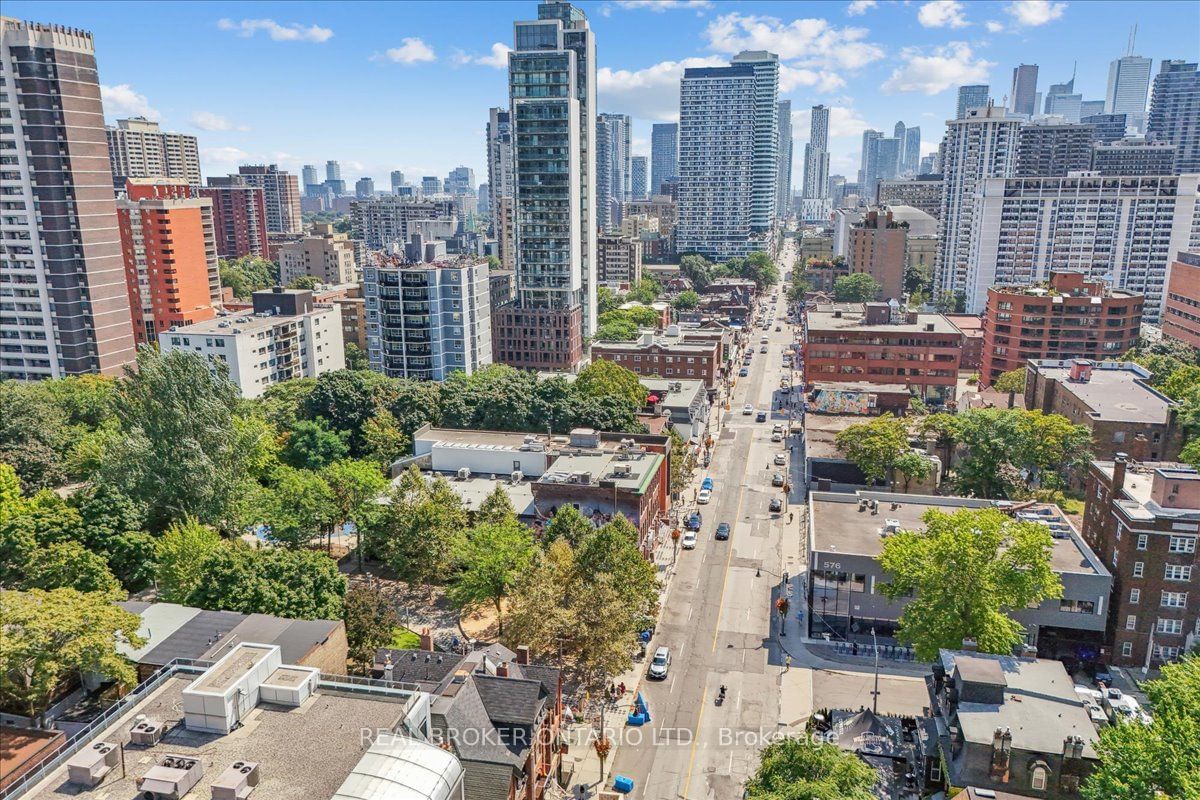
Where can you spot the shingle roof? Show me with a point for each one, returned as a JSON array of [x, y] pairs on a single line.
[[511, 701]]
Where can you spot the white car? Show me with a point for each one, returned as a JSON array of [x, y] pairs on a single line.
[[704, 496], [777, 437], [661, 663], [780, 459], [764, 340], [688, 542], [747, 409]]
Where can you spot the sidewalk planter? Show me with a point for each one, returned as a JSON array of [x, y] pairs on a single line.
[[622, 784]]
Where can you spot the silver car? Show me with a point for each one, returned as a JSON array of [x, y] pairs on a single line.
[[660, 664]]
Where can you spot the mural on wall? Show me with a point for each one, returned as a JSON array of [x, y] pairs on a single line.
[[843, 402]]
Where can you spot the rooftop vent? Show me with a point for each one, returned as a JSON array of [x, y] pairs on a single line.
[[236, 782], [145, 732], [464, 474], [172, 778], [89, 766], [516, 476]]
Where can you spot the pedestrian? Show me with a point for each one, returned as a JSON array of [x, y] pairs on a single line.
[[621, 689], [787, 663]]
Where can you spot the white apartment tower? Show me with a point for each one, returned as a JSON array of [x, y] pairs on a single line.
[[816, 155], [981, 145], [139, 148]]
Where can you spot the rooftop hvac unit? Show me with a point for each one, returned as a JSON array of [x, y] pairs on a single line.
[[170, 779], [236, 782], [464, 474], [146, 732], [622, 470], [891, 526], [516, 476], [89, 766]]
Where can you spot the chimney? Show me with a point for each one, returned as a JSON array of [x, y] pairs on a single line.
[[523, 654], [1118, 479], [1081, 370], [1140, 449], [970, 645], [426, 639], [502, 669]]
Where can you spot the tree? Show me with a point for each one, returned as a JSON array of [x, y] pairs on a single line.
[[300, 507], [602, 378], [858, 287], [309, 282], [606, 300], [492, 556], [912, 466], [11, 501], [311, 445], [569, 525], [355, 485], [50, 635], [1011, 383], [346, 400], [874, 446], [31, 435], [180, 554], [179, 455], [496, 508], [247, 275], [356, 359], [968, 570], [683, 463], [283, 404], [419, 530], [370, 618], [613, 551], [299, 584], [759, 267], [616, 330], [69, 565], [696, 269], [1159, 760], [645, 291], [1007, 452], [686, 301], [382, 439], [802, 769]]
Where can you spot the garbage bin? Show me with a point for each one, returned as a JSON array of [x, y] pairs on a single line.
[[622, 784]]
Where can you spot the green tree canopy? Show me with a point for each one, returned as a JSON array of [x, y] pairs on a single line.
[[858, 287], [419, 531], [247, 275], [568, 524], [300, 584], [1011, 382], [968, 571], [686, 301], [603, 378], [696, 269], [370, 617], [309, 282], [496, 508], [493, 556], [181, 553], [356, 357], [801, 769], [312, 445], [300, 507], [875, 446], [69, 565]]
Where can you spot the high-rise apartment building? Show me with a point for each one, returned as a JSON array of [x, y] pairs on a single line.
[[63, 304], [281, 195], [431, 185], [664, 154], [499, 152], [866, 161], [923, 194], [971, 96], [1109, 127], [323, 254], [333, 171], [1063, 101], [1181, 314], [640, 179], [618, 261], [783, 186], [427, 321], [885, 164], [460, 181], [139, 148], [1090, 108], [384, 223], [1128, 82], [1134, 157], [981, 145], [614, 178], [308, 175], [816, 155], [1122, 229], [552, 91], [169, 245], [878, 248], [728, 148], [239, 217], [911, 161], [397, 180], [1022, 99], [364, 188], [1175, 112], [1049, 148]]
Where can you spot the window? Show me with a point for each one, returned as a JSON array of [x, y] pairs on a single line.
[[1182, 544], [1127, 648], [1169, 626], [1139, 569], [935, 771], [1077, 606], [1037, 778], [1135, 595], [1142, 541], [1131, 622], [1166, 653], [1178, 572], [1174, 600]]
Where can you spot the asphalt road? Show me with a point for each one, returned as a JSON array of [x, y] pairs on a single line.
[[717, 618]]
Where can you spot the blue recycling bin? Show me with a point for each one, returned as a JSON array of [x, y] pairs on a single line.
[[636, 719], [622, 784]]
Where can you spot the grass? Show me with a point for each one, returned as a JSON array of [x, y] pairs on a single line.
[[404, 639]]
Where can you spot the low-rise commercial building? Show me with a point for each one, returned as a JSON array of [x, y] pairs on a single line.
[[1072, 317], [1114, 401], [323, 254], [846, 533], [883, 343], [288, 336], [685, 403], [673, 355], [1143, 518], [1181, 315]]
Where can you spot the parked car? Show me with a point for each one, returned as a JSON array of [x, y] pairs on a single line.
[[704, 496], [777, 479], [688, 541], [743, 372], [778, 329], [660, 664], [762, 349], [707, 483], [780, 459], [723, 531], [1102, 675], [761, 417], [747, 409], [776, 505], [694, 521], [776, 437], [777, 428]]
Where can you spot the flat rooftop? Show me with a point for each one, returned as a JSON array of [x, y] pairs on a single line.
[[1139, 482], [839, 526], [244, 322], [605, 467], [824, 318], [303, 753], [1116, 391], [475, 489], [232, 669]]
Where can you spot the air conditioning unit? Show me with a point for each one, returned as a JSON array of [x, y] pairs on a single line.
[[236, 782], [464, 474], [173, 777], [622, 470], [89, 766], [146, 732], [516, 476]]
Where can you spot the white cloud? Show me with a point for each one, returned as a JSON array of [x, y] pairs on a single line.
[[659, 6], [942, 14], [290, 32], [860, 7], [1035, 12], [497, 59], [650, 93], [412, 50], [994, 27], [122, 101], [936, 70], [844, 121], [810, 42], [208, 121], [791, 78], [223, 156]]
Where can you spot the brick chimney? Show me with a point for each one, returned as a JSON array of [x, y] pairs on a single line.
[[1139, 449], [970, 645], [1120, 464], [502, 669], [523, 654], [426, 639]]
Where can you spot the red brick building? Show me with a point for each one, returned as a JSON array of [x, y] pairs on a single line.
[[1143, 520], [170, 255], [1073, 317], [971, 327], [698, 358], [537, 338], [1181, 315], [239, 219], [882, 343], [878, 247]]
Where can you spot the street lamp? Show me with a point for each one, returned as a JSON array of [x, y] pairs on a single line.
[[875, 694]]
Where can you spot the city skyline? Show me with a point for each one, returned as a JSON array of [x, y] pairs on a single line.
[[889, 61]]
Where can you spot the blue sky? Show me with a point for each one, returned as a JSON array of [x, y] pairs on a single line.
[[407, 85]]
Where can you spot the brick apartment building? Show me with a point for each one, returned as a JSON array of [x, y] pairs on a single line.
[[1073, 317], [537, 338], [672, 355], [877, 247], [1143, 519], [971, 327], [883, 343], [618, 261], [1114, 401], [1181, 314], [239, 217], [170, 253]]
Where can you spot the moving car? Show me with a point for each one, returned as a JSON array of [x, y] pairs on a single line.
[[762, 349], [777, 479], [743, 372], [747, 409], [777, 428], [762, 416], [763, 340], [780, 459], [776, 437], [707, 483], [778, 329], [704, 496], [694, 521], [723, 531], [661, 663], [776, 505], [688, 541]]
